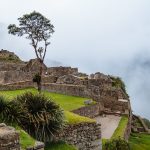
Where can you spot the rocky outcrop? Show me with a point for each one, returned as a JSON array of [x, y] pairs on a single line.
[[9, 138]]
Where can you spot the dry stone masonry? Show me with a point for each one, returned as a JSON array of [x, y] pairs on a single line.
[[85, 136]]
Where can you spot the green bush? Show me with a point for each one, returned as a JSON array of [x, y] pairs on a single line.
[[37, 78], [116, 144], [42, 117], [10, 112]]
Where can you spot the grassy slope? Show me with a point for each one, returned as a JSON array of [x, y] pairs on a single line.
[[139, 141]]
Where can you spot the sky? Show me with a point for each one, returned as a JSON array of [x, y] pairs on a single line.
[[109, 36]]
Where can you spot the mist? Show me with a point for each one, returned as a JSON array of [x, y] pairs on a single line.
[[110, 36]]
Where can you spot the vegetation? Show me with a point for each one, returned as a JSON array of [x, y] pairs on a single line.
[[75, 119], [59, 146], [139, 141], [25, 139], [147, 122], [119, 132], [10, 113], [116, 144], [66, 102], [42, 118], [117, 82], [38, 29]]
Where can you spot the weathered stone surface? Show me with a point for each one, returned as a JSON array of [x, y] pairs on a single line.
[[61, 71], [9, 138], [90, 111], [85, 136]]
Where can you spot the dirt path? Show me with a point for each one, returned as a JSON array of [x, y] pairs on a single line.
[[108, 125]]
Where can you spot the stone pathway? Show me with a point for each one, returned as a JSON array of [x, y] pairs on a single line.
[[108, 125]]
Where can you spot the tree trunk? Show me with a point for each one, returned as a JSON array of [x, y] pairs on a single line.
[[40, 73]]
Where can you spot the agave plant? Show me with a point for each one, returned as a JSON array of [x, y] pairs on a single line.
[[42, 117], [10, 112]]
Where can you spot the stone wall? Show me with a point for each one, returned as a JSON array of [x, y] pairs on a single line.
[[17, 85], [7, 66], [14, 76], [85, 136], [61, 71], [9, 138], [90, 111], [73, 90], [108, 97]]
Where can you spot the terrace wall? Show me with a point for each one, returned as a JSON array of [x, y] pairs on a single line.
[[17, 85], [90, 111], [85, 136]]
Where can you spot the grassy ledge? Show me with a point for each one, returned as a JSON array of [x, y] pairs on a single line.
[[139, 141], [76, 119], [119, 132]]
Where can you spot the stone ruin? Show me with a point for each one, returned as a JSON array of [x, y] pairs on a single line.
[[65, 80]]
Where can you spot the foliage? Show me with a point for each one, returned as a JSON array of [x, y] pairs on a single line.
[[59, 146], [10, 113], [117, 82], [147, 122], [139, 141], [119, 132], [42, 117], [37, 78], [116, 144], [38, 29]]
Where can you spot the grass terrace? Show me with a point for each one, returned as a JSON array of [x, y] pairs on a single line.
[[67, 103], [119, 132], [139, 141]]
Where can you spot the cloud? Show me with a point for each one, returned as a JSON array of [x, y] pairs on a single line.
[[109, 36]]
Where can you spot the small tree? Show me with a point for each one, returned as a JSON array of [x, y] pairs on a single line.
[[38, 29]]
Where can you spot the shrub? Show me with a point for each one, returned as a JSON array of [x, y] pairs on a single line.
[[117, 82], [42, 117], [116, 144], [10, 112], [37, 78]]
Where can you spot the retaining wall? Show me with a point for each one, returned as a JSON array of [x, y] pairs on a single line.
[[85, 136]]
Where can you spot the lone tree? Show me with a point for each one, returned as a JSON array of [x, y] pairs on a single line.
[[38, 29]]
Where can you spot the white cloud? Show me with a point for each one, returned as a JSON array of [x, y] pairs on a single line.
[[97, 35]]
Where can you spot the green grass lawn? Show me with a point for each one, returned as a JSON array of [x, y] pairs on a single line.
[[119, 132], [66, 102], [139, 141]]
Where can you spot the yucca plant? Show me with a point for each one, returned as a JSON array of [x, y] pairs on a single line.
[[10, 112], [42, 118]]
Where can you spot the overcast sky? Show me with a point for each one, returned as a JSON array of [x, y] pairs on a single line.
[[110, 36]]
